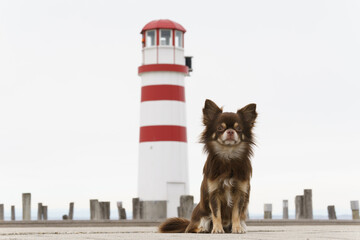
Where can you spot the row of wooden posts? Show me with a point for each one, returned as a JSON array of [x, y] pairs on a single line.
[[42, 213], [98, 210], [101, 210], [26, 207], [304, 209]]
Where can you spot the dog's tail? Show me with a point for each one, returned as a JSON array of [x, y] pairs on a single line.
[[174, 225]]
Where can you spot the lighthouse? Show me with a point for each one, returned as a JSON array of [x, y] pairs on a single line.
[[163, 164]]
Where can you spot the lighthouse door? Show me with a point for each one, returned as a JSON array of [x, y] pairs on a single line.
[[174, 191]]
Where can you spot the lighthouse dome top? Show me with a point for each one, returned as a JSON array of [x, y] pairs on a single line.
[[163, 24]]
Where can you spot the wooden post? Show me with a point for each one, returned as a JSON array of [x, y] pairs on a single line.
[[119, 207], [26, 203], [331, 212], [186, 206], [1, 212], [44, 213], [268, 211], [102, 210], [92, 209], [308, 209], [285, 209], [71, 211], [95, 210], [40, 212], [98, 211], [355, 209], [141, 209], [105, 210], [121, 211], [299, 207], [136, 208], [12, 213]]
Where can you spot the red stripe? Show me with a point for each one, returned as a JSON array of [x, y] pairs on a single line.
[[173, 37], [163, 67], [163, 133], [157, 37], [162, 92]]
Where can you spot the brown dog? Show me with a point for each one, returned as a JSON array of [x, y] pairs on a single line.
[[225, 188]]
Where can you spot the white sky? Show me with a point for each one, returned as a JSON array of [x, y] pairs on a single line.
[[70, 96]]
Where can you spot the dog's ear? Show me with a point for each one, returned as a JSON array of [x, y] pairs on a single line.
[[248, 113], [210, 111]]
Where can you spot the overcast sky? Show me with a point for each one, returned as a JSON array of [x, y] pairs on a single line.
[[70, 96]]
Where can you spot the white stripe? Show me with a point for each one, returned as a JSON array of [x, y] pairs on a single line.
[[162, 113], [158, 78], [165, 53], [160, 163]]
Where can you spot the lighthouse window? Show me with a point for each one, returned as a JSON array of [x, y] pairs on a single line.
[[178, 39], [165, 37], [150, 38]]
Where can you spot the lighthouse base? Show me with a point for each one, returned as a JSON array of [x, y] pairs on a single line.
[[153, 210]]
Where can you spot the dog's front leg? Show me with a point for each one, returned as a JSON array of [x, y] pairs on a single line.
[[215, 206], [236, 211]]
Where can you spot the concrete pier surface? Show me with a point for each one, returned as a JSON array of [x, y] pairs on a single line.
[[310, 232]]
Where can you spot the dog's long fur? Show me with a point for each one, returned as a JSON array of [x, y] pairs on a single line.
[[225, 188]]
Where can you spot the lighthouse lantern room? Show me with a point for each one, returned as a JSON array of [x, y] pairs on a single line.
[[163, 165]]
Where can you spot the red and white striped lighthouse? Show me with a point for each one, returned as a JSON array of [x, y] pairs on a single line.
[[163, 167]]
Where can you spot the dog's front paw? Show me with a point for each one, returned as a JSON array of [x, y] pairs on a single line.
[[238, 229], [243, 225], [217, 229]]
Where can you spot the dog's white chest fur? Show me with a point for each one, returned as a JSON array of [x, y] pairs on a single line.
[[229, 152]]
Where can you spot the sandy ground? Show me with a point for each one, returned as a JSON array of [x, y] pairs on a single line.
[[124, 233]]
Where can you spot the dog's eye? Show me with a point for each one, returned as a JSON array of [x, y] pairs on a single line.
[[220, 128], [237, 127]]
